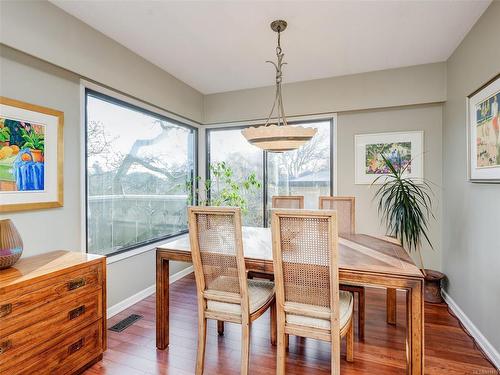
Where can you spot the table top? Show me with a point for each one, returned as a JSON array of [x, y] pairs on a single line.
[[357, 252]]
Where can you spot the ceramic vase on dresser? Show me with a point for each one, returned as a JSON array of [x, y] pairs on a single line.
[[11, 245]]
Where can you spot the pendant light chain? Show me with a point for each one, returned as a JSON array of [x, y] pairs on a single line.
[[278, 99]]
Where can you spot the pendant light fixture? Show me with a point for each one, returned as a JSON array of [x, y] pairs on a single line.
[[279, 136]]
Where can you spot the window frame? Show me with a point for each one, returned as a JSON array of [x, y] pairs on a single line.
[[331, 118], [129, 103]]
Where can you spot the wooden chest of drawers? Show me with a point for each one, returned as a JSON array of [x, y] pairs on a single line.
[[52, 314]]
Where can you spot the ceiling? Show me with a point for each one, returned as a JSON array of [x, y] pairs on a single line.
[[217, 46]]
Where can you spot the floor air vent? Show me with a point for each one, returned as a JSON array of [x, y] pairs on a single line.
[[125, 323]]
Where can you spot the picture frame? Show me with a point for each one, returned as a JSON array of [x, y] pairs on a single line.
[[406, 146], [483, 133], [31, 156]]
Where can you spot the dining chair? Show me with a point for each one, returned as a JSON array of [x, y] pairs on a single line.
[[309, 303], [287, 201], [224, 293], [279, 201], [346, 210]]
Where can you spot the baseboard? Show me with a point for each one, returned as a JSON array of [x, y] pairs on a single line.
[[126, 303], [482, 341], [179, 275]]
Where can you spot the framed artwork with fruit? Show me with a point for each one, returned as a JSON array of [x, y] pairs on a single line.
[[31, 156]]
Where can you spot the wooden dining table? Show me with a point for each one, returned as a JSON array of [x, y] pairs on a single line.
[[363, 260]]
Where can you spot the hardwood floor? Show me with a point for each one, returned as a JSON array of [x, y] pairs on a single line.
[[448, 350]]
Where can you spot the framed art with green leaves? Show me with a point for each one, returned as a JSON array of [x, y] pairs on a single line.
[[31, 156], [403, 149]]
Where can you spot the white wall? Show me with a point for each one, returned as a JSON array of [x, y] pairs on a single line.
[[386, 88], [30, 80], [471, 231]]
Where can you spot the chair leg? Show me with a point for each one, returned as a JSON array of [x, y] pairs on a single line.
[[335, 354], [350, 342], [202, 338], [361, 313], [360, 293], [281, 351], [220, 327], [245, 347], [273, 323]]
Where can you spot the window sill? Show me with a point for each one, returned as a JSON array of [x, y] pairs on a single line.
[[140, 250]]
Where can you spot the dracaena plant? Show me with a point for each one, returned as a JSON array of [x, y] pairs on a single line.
[[405, 205]]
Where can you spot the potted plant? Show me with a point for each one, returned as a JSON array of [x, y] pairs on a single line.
[[223, 189], [405, 205], [35, 142]]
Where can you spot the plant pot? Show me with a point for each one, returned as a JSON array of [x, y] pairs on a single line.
[[37, 156], [432, 288]]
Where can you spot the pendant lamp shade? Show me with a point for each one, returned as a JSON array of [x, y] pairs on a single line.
[[274, 138]]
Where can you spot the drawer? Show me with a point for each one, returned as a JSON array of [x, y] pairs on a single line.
[[22, 307], [76, 313], [64, 354]]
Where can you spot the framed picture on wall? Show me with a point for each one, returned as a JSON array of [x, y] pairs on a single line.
[[31, 156], [483, 131], [403, 149]]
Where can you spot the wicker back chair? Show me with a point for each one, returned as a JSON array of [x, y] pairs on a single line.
[[309, 303], [346, 210], [223, 291], [280, 201], [288, 201]]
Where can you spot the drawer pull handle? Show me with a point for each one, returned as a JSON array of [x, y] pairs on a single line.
[[75, 313], [4, 346], [76, 346], [5, 309], [77, 283]]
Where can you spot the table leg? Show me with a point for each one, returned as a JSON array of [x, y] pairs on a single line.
[[361, 308], [415, 329], [391, 305], [220, 327], [162, 302]]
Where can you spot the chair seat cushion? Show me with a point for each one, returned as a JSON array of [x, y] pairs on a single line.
[[260, 292], [345, 313]]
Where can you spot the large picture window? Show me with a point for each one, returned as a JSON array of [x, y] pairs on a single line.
[[137, 165], [306, 171]]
